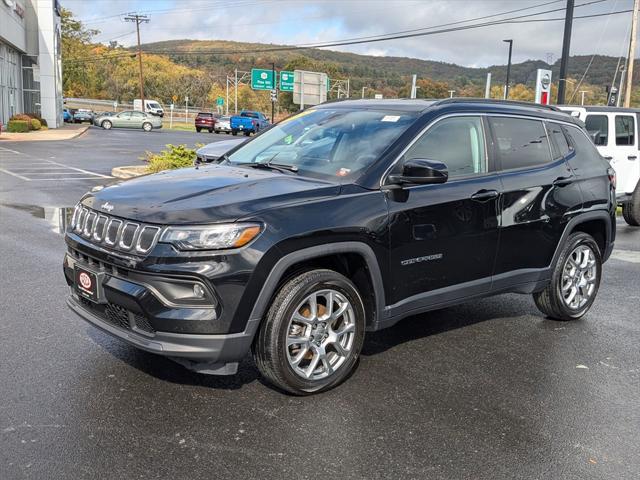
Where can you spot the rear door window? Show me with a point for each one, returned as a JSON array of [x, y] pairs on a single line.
[[520, 142], [625, 130], [598, 125]]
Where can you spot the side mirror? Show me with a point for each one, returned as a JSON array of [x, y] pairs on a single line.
[[419, 171]]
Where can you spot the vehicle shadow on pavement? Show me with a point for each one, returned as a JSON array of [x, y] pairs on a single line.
[[441, 321], [165, 369]]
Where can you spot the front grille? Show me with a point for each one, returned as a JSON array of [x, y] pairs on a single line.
[[113, 232], [119, 316]]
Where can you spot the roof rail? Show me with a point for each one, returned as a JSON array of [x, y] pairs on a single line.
[[500, 102]]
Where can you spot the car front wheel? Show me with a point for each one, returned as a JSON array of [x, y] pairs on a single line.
[[311, 338], [575, 280], [147, 127], [107, 125]]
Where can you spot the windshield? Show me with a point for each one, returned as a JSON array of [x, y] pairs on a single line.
[[249, 114], [331, 143], [153, 105]]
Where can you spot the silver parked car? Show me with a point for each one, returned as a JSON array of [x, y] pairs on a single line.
[[223, 124], [212, 152], [130, 119]]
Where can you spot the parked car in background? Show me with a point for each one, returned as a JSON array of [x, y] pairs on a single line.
[[616, 134], [83, 115], [67, 117], [295, 252], [223, 124], [150, 106], [248, 122], [205, 121], [130, 119], [213, 152]]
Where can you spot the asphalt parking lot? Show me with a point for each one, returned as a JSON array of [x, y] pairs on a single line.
[[485, 390]]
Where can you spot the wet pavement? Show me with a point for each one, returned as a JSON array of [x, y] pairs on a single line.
[[489, 389]]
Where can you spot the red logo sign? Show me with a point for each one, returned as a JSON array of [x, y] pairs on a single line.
[[85, 280]]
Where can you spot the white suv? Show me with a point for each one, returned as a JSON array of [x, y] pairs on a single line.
[[616, 132]]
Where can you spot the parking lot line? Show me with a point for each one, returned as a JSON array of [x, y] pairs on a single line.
[[15, 175], [10, 151], [81, 170]]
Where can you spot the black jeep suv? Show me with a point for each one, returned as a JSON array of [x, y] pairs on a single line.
[[344, 218]]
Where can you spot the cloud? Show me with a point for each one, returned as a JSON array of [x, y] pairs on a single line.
[[289, 22]]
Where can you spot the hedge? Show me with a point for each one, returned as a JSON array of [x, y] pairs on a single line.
[[35, 124], [17, 126]]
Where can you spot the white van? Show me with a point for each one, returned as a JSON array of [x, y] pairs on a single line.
[[150, 106], [616, 133]]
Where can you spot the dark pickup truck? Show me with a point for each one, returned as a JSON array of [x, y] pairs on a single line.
[[340, 221], [248, 122]]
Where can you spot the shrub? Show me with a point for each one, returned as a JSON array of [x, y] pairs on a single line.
[[43, 122], [174, 156], [35, 124], [18, 126], [21, 116]]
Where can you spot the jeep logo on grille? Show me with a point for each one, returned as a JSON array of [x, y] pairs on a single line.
[[106, 206], [85, 281]]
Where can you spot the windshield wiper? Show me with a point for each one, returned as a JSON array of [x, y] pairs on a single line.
[[280, 167]]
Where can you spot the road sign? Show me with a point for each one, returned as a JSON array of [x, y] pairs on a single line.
[[543, 86], [174, 98], [274, 95], [219, 101], [261, 79], [309, 88], [286, 81]]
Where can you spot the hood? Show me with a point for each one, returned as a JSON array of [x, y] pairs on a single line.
[[206, 194]]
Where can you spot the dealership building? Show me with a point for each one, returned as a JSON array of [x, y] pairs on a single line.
[[30, 66]]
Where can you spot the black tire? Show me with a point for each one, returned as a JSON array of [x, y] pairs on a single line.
[[269, 347], [550, 300], [217, 131], [198, 129], [247, 133], [211, 130], [631, 209], [106, 124], [234, 132]]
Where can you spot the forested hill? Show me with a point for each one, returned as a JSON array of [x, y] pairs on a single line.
[[378, 71]]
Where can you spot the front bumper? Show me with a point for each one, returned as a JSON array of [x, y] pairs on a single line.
[[205, 353]]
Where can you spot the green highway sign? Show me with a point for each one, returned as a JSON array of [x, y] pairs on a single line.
[[220, 101], [261, 79], [286, 81]]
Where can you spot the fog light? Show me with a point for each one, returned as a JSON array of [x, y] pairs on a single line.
[[198, 291]]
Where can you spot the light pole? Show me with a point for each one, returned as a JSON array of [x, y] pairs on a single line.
[[451, 92], [363, 89], [582, 92], [506, 87]]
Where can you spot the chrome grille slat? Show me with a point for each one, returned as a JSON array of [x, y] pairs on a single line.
[[115, 233]]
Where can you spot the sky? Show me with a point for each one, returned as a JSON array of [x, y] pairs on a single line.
[[311, 21]]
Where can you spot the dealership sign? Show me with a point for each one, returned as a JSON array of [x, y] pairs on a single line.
[[543, 86]]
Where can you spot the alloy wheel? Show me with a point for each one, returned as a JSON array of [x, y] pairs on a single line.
[[579, 277], [320, 334]]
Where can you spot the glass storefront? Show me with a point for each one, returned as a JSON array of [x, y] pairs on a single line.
[[10, 82]]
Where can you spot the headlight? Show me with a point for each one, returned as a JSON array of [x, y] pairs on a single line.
[[211, 237]]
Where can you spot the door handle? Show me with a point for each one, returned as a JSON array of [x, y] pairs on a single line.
[[484, 195], [608, 158], [562, 181], [632, 157]]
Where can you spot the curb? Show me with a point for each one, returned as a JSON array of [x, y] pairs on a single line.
[[35, 137], [129, 171]]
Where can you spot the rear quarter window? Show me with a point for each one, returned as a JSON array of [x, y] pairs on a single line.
[[598, 125], [586, 152], [625, 130]]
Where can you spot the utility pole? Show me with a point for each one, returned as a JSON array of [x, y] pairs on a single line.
[[632, 53], [274, 92], [235, 100], [487, 88], [134, 17], [566, 47], [414, 92], [363, 89], [506, 85]]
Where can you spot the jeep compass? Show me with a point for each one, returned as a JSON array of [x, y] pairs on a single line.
[[343, 219]]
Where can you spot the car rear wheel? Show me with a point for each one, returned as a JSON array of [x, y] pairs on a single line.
[[211, 130], [234, 132], [217, 131], [575, 280], [631, 209], [311, 339], [106, 125], [147, 127]]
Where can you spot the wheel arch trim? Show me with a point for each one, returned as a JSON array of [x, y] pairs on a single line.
[[277, 272], [583, 218]]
